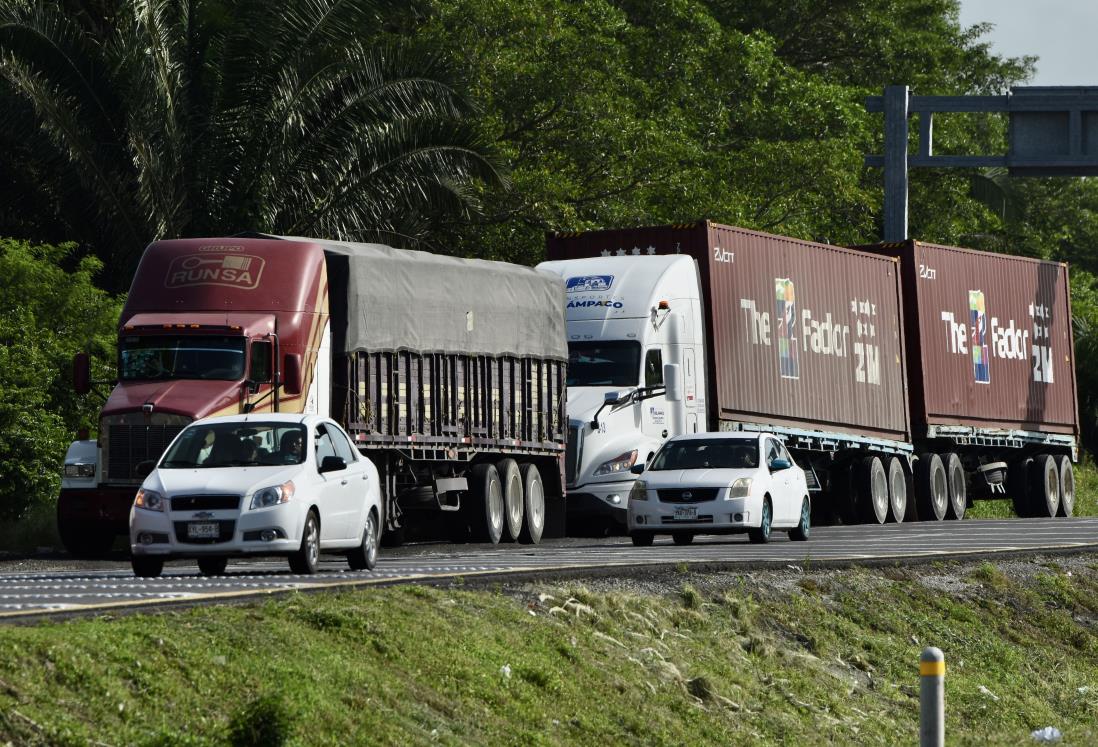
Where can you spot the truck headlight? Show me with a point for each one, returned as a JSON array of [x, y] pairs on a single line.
[[741, 488], [274, 495], [80, 470], [150, 500], [620, 463], [639, 491]]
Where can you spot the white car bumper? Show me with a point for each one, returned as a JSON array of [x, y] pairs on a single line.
[[268, 531], [737, 514]]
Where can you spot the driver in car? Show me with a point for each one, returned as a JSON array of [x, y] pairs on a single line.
[[291, 448]]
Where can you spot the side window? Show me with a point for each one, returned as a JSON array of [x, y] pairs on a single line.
[[653, 368], [261, 362], [324, 445], [773, 451], [784, 453], [342, 445]]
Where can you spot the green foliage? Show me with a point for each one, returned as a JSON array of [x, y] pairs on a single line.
[[49, 310]]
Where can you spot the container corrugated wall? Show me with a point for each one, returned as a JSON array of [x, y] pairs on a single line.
[[990, 340], [798, 334]]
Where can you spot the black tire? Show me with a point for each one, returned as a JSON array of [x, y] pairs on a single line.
[[872, 487], [147, 567], [486, 505], [931, 488], [85, 540], [958, 491], [364, 557], [803, 529], [307, 557], [897, 490], [513, 501], [683, 538], [1018, 486], [761, 534], [642, 539], [213, 565], [1044, 486], [1067, 487], [533, 515]]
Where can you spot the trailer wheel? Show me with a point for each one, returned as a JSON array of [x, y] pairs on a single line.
[[1018, 486], [486, 506], [958, 495], [872, 484], [897, 490], [1067, 487], [1044, 486], [533, 491], [931, 488], [513, 500]]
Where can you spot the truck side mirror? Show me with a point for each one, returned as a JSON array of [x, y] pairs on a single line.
[[81, 373], [291, 373], [672, 381]]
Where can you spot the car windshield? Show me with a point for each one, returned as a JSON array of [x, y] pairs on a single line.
[[182, 357], [614, 363], [707, 454], [211, 445]]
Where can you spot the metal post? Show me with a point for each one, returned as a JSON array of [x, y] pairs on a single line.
[[932, 698], [895, 163]]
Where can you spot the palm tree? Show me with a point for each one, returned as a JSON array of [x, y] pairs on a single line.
[[161, 118]]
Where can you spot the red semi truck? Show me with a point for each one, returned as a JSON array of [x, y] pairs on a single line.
[[447, 372]]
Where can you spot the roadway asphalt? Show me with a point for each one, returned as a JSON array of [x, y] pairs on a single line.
[[44, 586]]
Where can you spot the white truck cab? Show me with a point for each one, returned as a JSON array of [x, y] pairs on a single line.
[[635, 373]]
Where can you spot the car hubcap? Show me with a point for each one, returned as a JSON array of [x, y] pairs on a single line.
[[805, 517], [371, 537], [312, 547], [766, 519]]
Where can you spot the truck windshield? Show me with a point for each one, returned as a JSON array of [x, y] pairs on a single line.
[[614, 363], [207, 446], [707, 454], [182, 357]]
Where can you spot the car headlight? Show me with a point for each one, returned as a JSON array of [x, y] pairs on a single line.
[[741, 488], [150, 500], [272, 496], [620, 463], [639, 491], [80, 470]]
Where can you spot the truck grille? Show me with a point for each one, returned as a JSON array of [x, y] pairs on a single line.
[[573, 453], [130, 445], [688, 495]]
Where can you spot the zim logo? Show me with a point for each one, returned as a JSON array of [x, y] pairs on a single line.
[[587, 283], [234, 271]]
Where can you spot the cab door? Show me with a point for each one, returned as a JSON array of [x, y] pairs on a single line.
[[654, 416]]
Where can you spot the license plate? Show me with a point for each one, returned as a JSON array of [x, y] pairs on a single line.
[[203, 530], [686, 513]]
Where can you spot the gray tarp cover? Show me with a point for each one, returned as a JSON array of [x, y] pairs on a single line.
[[398, 299]]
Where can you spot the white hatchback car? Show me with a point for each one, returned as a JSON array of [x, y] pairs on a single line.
[[270, 484], [719, 483]]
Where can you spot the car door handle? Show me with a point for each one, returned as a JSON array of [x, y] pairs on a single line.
[[343, 482]]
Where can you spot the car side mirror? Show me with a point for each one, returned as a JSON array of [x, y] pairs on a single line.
[[779, 464], [636, 469], [332, 464]]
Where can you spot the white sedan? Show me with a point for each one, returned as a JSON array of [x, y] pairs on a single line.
[[271, 484], [719, 483]]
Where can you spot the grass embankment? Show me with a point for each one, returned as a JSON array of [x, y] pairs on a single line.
[[793, 657]]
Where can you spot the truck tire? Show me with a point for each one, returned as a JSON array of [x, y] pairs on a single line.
[[1067, 487], [1044, 486], [958, 493], [533, 491], [486, 507], [872, 484], [931, 488], [1018, 486], [897, 490], [84, 540], [513, 500]]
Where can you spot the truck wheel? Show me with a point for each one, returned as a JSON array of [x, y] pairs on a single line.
[[872, 484], [306, 559], [213, 566], [897, 490], [1067, 487], [1018, 486], [958, 494], [84, 540], [761, 535], [486, 506], [1044, 486], [513, 500], [147, 567], [931, 488], [533, 491]]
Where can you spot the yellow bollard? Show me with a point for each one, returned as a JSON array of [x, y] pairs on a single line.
[[932, 669]]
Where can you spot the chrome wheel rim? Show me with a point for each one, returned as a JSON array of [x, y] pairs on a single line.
[[765, 524], [1052, 491], [536, 507], [312, 541], [806, 518], [370, 540], [495, 506]]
